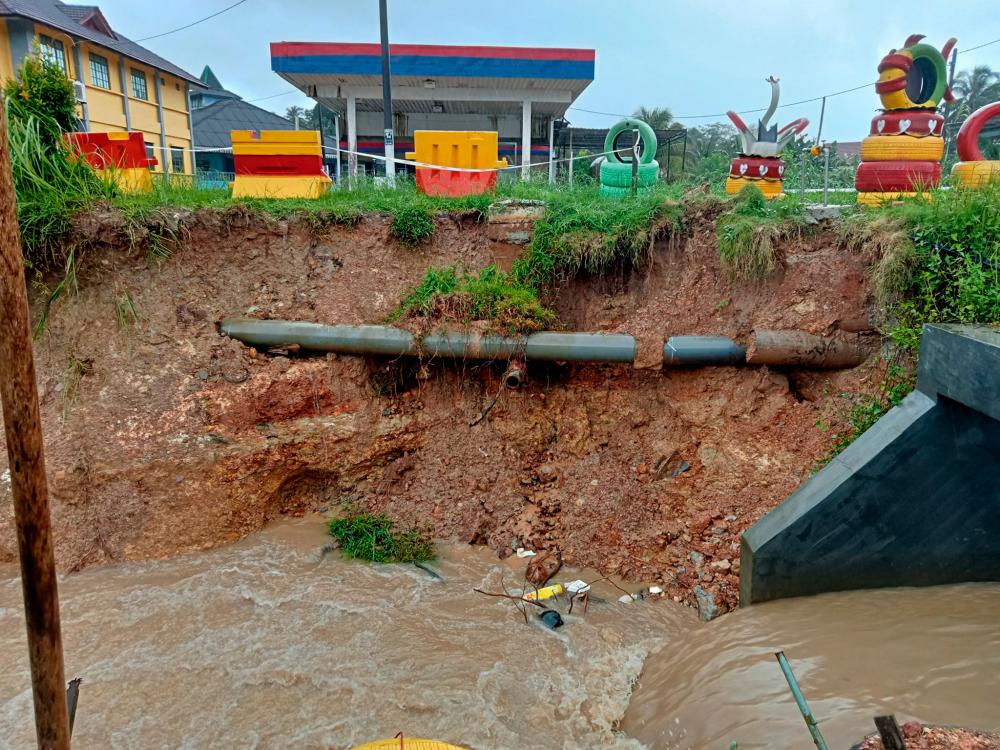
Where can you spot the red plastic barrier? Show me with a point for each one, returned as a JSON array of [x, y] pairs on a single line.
[[757, 168], [104, 150], [305, 165], [896, 176], [455, 184]]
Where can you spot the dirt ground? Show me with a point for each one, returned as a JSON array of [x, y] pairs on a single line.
[[922, 737], [168, 437]]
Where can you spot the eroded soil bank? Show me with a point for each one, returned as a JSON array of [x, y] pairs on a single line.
[[166, 437]]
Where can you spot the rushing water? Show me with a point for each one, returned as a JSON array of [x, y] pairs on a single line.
[[263, 644]]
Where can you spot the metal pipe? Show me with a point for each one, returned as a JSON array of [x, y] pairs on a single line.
[[388, 140], [26, 460], [801, 349], [514, 375], [386, 340], [699, 351], [800, 700]]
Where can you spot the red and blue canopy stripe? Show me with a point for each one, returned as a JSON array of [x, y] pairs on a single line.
[[333, 58]]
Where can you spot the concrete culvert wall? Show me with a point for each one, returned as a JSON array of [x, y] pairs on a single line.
[[914, 501]]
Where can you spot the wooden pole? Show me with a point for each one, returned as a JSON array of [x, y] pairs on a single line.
[[23, 428], [889, 732]]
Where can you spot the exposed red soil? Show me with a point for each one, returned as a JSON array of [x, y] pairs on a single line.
[[180, 439], [923, 737]]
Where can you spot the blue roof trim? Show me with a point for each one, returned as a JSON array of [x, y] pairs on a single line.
[[459, 67]]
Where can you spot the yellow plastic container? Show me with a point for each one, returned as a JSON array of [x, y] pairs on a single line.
[[466, 149], [253, 186], [407, 744], [545, 593]]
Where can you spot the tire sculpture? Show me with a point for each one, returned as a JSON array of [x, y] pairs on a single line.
[[973, 170], [759, 163], [616, 170], [902, 155]]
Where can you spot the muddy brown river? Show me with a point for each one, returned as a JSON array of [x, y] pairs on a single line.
[[264, 645]]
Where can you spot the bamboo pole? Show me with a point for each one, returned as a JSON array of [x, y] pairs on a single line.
[[23, 428]]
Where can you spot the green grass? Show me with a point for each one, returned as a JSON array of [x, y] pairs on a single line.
[[51, 187], [869, 409], [492, 295], [750, 232], [365, 536], [580, 230], [932, 261]]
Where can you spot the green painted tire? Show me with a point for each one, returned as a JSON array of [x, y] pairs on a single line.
[[646, 134], [925, 54], [610, 191], [620, 175]]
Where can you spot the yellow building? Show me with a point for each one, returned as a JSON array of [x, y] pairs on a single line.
[[125, 86]]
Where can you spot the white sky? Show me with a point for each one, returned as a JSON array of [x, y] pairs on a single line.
[[694, 57]]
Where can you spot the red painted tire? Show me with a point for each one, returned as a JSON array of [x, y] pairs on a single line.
[[968, 134], [895, 176], [757, 168], [908, 121]]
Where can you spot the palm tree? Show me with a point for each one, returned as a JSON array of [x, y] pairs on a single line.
[[293, 113], [658, 118], [976, 87]]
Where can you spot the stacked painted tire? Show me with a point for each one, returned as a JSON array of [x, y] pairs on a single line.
[[616, 170], [901, 157], [766, 173], [973, 170]]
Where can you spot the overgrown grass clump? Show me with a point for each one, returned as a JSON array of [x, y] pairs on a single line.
[[749, 234], [492, 295], [366, 536], [869, 409], [581, 230], [933, 261]]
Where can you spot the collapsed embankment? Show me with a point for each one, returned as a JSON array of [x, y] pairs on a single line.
[[163, 436]]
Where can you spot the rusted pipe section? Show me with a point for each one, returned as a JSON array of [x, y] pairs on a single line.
[[386, 340], [23, 428], [801, 349], [514, 375]]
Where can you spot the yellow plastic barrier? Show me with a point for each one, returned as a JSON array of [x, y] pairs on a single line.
[[279, 164], [255, 186], [467, 149]]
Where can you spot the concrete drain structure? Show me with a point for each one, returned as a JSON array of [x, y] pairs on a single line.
[[915, 501]]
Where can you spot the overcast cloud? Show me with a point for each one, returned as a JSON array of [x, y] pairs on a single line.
[[694, 57]]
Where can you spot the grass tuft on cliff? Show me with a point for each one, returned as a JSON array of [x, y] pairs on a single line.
[[932, 261], [446, 294], [366, 536], [581, 230], [750, 232]]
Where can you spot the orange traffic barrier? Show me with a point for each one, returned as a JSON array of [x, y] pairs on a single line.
[[465, 149]]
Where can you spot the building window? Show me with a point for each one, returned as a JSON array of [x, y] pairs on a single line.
[[100, 74], [139, 90], [176, 160], [150, 154], [53, 51]]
